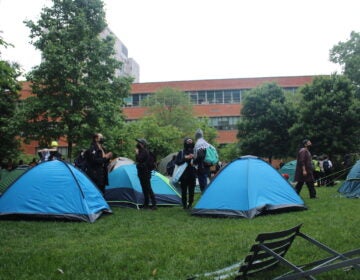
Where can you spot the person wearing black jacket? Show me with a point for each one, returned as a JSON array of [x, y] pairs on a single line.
[[97, 162], [142, 158], [188, 178]]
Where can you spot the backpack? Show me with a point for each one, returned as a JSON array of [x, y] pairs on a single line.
[[151, 162], [170, 167], [211, 156], [82, 160], [326, 165]]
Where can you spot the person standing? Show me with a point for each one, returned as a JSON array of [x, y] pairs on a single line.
[[188, 178], [304, 169], [142, 159], [328, 166], [316, 170], [50, 154], [97, 162], [203, 170]]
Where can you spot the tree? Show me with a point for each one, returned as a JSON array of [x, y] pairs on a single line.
[[172, 108], [347, 54], [329, 116], [266, 118], [75, 88], [162, 139], [9, 98]]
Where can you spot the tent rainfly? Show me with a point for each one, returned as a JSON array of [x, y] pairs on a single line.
[[53, 190], [247, 187]]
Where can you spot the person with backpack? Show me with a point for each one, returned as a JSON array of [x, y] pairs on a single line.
[[203, 169], [188, 177], [327, 166], [97, 160], [145, 163]]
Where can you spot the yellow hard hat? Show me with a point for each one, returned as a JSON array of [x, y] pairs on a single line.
[[54, 144]]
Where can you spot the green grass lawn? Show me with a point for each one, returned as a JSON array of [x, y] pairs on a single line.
[[169, 243]]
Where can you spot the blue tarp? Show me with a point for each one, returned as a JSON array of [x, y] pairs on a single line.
[[53, 189], [247, 187], [124, 188], [351, 186]]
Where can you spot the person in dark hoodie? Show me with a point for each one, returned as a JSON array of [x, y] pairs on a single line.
[[98, 160], [188, 178], [142, 158]]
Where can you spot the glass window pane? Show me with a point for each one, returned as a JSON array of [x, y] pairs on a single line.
[[227, 96], [211, 96], [236, 96], [202, 97], [136, 100], [219, 97], [193, 97]]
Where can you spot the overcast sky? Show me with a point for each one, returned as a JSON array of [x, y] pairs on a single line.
[[174, 40]]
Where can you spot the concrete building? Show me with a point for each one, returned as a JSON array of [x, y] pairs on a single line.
[[130, 67]]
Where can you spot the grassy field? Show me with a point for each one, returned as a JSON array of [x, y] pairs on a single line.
[[168, 243]]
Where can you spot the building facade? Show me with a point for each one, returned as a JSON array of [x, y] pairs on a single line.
[[219, 100]]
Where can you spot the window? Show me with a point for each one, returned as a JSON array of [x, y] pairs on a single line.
[[137, 98], [225, 123], [236, 96], [219, 97], [228, 96], [211, 97], [202, 97], [193, 97]]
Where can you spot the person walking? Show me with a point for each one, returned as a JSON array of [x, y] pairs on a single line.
[[203, 170], [188, 178], [97, 162], [142, 158], [304, 169]]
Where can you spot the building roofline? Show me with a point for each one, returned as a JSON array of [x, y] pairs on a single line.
[[213, 84]]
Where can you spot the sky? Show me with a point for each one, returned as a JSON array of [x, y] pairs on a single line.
[[176, 40]]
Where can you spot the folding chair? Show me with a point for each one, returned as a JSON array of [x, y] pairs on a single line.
[[272, 247]]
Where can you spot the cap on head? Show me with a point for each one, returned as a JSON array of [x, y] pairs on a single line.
[[199, 134], [54, 144], [142, 141]]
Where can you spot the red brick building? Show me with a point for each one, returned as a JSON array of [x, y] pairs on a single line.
[[219, 100]]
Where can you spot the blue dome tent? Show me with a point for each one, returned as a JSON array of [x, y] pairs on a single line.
[[124, 188], [53, 190], [247, 187], [351, 186]]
